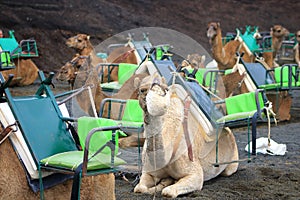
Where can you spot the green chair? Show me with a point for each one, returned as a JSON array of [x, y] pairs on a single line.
[[5, 61], [130, 113], [52, 145], [125, 71]]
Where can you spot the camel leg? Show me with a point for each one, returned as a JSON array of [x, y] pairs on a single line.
[[162, 184], [185, 185], [147, 181]]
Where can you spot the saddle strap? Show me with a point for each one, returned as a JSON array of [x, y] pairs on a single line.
[[6, 132], [187, 104]]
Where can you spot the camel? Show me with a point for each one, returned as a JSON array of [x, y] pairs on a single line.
[[194, 61], [25, 73], [87, 75], [225, 56], [167, 167], [81, 43], [278, 33], [14, 183], [69, 70], [297, 49]]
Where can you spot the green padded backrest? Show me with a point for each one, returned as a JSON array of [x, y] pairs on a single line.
[[242, 103], [285, 74], [125, 71], [86, 124], [43, 129], [133, 112]]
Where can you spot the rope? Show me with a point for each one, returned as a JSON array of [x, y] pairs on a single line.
[[92, 101], [270, 111]]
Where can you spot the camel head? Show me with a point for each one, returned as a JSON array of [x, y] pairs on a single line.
[[79, 42], [279, 32], [193, 61], [212, 30], [153, 95], [298, 36], [69, 71]]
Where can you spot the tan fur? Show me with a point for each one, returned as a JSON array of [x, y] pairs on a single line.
[[278, 33], [179, 175], [282, 103], [297, 49], [89, 76], [68, 71], [225, 56], [25, 73], [14, 185]]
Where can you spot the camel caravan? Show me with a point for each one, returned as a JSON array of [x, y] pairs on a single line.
[[182, 115]]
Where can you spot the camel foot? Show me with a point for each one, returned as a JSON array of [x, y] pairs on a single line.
[[169, 192]]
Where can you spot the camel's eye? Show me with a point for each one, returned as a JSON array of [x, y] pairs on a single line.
[[278, 31], [143, 90]]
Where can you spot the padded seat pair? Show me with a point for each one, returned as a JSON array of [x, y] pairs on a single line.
[[53, 147], [283, 78]]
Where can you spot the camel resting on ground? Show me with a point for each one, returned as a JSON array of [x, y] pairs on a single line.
[[25, 73], [167, 164]]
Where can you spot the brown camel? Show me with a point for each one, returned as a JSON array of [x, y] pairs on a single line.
[[81, 43], [69, 71], [277, 32], [25, 73], [297, 49], [14, 185], [225, 56], [87, 75]]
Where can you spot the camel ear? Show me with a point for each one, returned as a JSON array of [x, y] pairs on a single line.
[[88, 37], [136, 82], [203, 59], [164, 80], [218, 24], [188, 57]]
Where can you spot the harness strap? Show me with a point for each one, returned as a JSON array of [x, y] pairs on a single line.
[[6, 132], [187, 104]]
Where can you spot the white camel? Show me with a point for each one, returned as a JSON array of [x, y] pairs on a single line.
[[174, 162]]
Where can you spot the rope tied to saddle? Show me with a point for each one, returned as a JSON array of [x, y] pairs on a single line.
[[269, 112]]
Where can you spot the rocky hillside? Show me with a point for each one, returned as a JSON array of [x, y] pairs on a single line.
[[50, 22]]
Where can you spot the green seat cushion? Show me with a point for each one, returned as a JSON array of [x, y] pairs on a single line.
[[111, 85], [236, 116], [72, 159], [86, 124], [131, 124], [125, 71], [270, 86]]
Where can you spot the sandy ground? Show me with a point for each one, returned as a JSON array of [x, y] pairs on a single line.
[[265, 177]]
